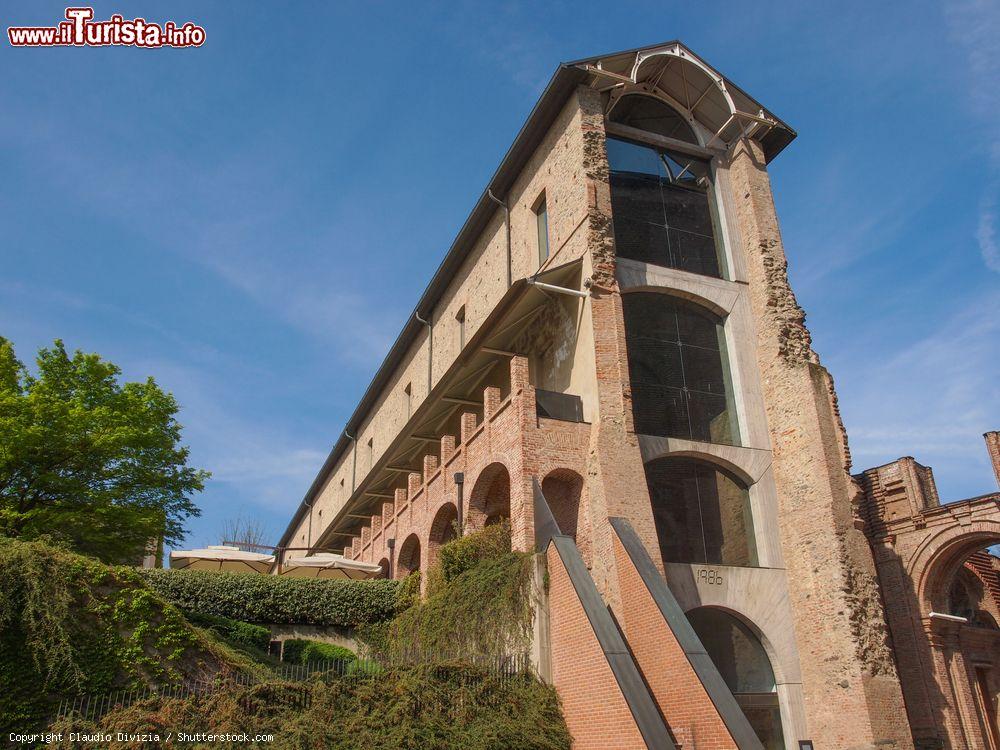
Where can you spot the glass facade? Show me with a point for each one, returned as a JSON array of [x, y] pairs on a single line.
[[678, 370], [702, 514], [662, 209], [744, 665]]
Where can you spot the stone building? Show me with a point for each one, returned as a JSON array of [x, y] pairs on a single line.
[[610, 357], [941, 586]]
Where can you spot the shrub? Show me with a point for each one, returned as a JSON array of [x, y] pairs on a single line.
[[273, 599], [445, 707], [408, 592], [465, 552], [305, 651], [236, 632], [481, 607], [70, 624]]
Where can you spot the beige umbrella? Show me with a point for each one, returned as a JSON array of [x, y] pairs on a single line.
[[329, 565], [221, 557]]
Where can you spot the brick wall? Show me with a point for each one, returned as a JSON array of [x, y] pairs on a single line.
[[850, 685], [595, 709], [498, 457], [678, 690]]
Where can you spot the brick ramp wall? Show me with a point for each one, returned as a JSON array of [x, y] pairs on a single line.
[[589, 667], [685, 683]]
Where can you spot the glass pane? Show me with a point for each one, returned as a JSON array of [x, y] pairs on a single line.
[[642, 241], [659, 409], [735, 651], [673, 346], [702, 514], [661, 210], [765, 719]]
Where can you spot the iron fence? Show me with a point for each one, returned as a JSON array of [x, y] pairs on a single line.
[[491, 669]]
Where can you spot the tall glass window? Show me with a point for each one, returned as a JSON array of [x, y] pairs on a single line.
[[678, 370], [744, 665], [702, 514], [662, 209]]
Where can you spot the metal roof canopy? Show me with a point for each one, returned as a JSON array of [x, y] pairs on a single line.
[[614, 68]]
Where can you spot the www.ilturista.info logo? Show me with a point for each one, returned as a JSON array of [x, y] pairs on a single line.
[[80, 30]]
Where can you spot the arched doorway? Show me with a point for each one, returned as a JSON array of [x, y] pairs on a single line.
[[384, 565], [563, 489], [743, 663], [489, 502], [702, 513], [961, 578], [408, 561]]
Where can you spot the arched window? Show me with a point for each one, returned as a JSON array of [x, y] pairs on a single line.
[[408, 561], [702, 514], [678, 370], [662, 210], [741, 660], [652, 115], [489, 502]]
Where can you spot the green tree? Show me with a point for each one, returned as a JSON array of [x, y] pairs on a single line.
[[88, 460]]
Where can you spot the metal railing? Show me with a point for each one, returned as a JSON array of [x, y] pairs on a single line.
[[503, 668]]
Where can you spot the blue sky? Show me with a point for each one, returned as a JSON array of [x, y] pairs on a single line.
[[251, 221]]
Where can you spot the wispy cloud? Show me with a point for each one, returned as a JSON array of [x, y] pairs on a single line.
[[262, 243], [256, 458], [932, 398], [987, 233], [975, 26]]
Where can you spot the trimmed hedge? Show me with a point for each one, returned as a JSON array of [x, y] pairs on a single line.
[[305, 651], [242, 633], [272, 599]]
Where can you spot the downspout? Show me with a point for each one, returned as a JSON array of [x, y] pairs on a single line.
[[459, 500], [391, 544], [506, 221], [430, 349]]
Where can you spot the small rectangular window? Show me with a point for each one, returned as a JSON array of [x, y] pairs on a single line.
[[408, 395], [542, 225], [460, 318], [371, 452]]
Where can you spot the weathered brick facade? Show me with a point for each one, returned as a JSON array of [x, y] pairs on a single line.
[[522, 365], [942, 600]]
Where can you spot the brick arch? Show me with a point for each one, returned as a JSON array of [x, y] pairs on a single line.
[[489, 501], [940, 556], [409, 557], [443, 530], [384, 564], [563, 490]]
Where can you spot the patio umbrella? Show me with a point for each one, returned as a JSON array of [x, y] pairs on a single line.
[[329, 565], [221, 558]]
